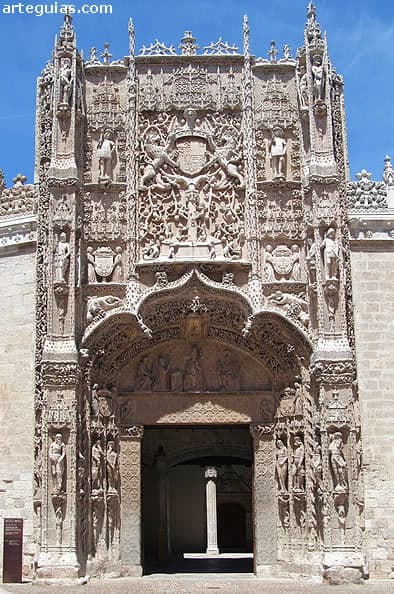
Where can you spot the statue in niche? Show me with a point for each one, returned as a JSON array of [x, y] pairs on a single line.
[[106, 152], [278, 147], [66, 82], [338, 463], [296, 267], [97, 466], [193, 380], [61, 258], [228, 371], [318, 79], [160, 383], [90, 263], [299, 464], [95, 399], [303, 89], [112, 468], [118, 274], [144, 376], [269, 271], [281, 465], [313, 250], [57, 458], [330, 250], [317, 466]]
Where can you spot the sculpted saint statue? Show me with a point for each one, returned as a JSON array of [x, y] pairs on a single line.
[[193, 380], [105, 154], [66, 81], [144, 376], [97, 466], [278, 149], [318, 78], [228, 371], [112, 468], [338, 462], [281, 464], [62, 258], [299, 464], [330, 249], [57, 458]]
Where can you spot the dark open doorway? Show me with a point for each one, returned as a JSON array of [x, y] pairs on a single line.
[[175, 499]]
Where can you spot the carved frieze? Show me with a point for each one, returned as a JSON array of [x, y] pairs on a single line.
[[280, 213]]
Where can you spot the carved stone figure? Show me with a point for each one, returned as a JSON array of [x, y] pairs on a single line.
[[99, 305], [112, 461], [287, 403], [118, 274], [338, 463], [61, 258], [317, 464], [90, 264], [330, 249], [281, 465], [296, 267], [144, 376], [269, 274], [158, 155], [97, 461], [105, 153], [228, 371], [278, 149], [303, 89], [66, 82], [299, 464], [161, 381], [193, 380], [57, 458], [318, 77], [312, 253]]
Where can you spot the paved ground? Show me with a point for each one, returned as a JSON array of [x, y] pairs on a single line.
[[197, 584]]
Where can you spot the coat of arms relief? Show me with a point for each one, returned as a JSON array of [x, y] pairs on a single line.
[[191, 187]]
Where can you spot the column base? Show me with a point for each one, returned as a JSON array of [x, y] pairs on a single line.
[[57, 566], [212, 552], [344, 567]]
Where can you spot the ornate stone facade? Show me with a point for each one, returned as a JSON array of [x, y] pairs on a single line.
[[193, 268]]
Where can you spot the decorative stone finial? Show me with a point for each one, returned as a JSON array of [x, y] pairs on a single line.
[[312, 28], [246, 35], [273, 52], [131, 32], [19, 180], [67, 35], [106, 55], [188, 45], [388, 172]]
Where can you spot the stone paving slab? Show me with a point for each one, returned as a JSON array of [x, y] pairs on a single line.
[[192, 584]]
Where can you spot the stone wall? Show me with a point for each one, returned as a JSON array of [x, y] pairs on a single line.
[[373, 290], [17, 290]]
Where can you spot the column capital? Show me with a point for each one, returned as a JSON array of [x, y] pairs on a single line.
[[210, 472], [134, 431]]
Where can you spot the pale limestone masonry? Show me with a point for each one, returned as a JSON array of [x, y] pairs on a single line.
[[175, 294], [372, 259], [17, 390]]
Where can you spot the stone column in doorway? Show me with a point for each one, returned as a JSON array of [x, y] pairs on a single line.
[[264, 499], [212, 524], [130, 475]]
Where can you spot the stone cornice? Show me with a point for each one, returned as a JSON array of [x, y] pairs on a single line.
[[17, 232]]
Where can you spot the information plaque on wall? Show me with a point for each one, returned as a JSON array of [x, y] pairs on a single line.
[[13, 550]]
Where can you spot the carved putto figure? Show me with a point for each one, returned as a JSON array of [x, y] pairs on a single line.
[[278, 148], [105, 153], [228, 371], [61, 258], [330, 249], [281, 465], [338, 463], [57, 458], [97, 466], [299, 464], [318, 78], [193, 380], [112, 468]]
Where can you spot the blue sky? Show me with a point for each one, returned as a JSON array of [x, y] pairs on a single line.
[[360, 38]]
